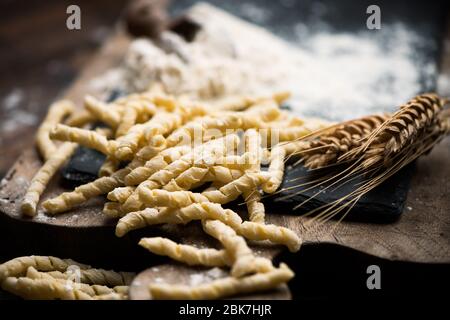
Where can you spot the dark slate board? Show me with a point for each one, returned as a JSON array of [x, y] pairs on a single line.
[[425, 18], [383, 204], [85, 163]]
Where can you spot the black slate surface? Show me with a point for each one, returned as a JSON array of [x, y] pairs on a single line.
[[84, 164], [426, 19]]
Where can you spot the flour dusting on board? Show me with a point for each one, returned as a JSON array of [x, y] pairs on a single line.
[[331, 75]]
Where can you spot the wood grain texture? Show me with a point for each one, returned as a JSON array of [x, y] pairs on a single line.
[[40, 57]]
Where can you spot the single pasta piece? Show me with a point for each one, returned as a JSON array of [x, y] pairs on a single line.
[[120, 194], [256, 210], [232, 190], [271, 232], [199, 127], [276, 169], [43, 176], [190, 179], [222, 174], [80, 119], [103, 185], [87, 138], [134, 111], [186, 253], [43, 289], [196, 211], [55, 115], [244, 262], [294, 147], [113, 210], [106, 113], [224, 287]]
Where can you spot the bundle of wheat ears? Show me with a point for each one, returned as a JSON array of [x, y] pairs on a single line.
[[374, 147]]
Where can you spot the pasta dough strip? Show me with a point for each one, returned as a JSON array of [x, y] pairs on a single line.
[[108, 167], [271, 232], [276, 169], [92, 290], [103, 185], [255, 208], [104, 112]]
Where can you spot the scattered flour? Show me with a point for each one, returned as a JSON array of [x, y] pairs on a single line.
[[208, 276]]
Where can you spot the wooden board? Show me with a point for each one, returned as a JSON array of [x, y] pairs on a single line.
[[421, 235]]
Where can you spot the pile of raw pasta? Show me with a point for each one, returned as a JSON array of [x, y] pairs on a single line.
[[171, 160]]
